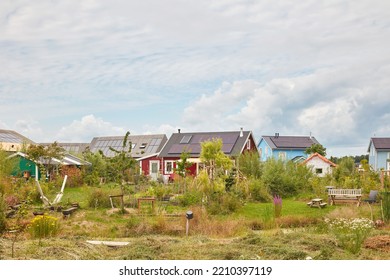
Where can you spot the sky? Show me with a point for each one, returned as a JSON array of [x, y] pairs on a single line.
[[73, 70]]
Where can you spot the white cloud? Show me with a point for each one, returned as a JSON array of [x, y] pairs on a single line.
[[88, 127], [281, 62]]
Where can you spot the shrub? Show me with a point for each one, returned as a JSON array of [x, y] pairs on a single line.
[[99, 199], [190, 197], [351, 233], [43, 226], [74, 179], [258, 191], [285, 178], [277, 206], [268, 218], [224, 204], [386, 205], [11, 200], [250, 165], [3, 208]]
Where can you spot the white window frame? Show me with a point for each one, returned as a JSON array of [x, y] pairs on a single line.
[[248, 145], [282, 155], [171, 162]]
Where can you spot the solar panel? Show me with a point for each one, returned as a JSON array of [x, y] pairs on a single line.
[[186, 139], [227, 148], [10, 138]]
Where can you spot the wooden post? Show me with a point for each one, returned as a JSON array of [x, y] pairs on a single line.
[[187, 227]]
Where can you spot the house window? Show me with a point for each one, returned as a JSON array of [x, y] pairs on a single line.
[[248, 145], [260, 152], [319, 170], [282, 155], [143, 145], [168, 167]]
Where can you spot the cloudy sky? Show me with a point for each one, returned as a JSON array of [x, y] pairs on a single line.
[[72, 70]]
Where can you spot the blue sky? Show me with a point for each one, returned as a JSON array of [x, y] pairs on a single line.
[[72, 70]]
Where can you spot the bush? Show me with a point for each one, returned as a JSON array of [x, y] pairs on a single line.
[[386, 205], [259, 191], [351, 233], [223, 204], [44, 226], [74, 179], [3, 208], [190, 197], [99, 199]]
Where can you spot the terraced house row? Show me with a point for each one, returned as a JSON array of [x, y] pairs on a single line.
[[157, 154]]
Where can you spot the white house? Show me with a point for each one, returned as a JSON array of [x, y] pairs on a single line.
[[319, 164]]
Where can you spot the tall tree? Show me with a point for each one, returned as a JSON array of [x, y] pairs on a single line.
[[183, 165], [214, 158], [44, 155], [122, 162], [316, 148]]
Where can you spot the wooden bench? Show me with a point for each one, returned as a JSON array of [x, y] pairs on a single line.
[[317, 202], [69, 211], [345, 196]]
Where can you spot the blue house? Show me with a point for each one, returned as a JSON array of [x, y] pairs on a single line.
[[379, 153], [285, 147]]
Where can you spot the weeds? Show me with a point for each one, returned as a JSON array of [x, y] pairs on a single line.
[[351, 233]]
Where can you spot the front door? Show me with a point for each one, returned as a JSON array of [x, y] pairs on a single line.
[[154, 169]]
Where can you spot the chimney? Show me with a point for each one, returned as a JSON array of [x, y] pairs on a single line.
[[241, 132], [276, 134], [178, 130]]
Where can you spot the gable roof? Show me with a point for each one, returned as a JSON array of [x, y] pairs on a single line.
[[380, 143], [142, 145], [290, 142], [233, 142], [75, 148], [66, 160], [10, 136], [320, 157]]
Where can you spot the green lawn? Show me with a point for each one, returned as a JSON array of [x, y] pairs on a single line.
[[290, 207]]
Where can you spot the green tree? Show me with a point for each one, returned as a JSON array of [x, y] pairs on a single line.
[[183, 165], [97, 169], [44, 155], [249, 165], [8, 165], [120, 165], [345, 170], [316, 148], [214, 158]]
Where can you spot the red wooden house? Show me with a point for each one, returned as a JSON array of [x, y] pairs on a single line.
[[234, 144]]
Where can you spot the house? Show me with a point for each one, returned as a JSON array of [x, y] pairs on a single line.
[[71, 148], [12, 141], [319, 164], [141, 145], [379, 153], [284, 147], [28, 168], [234, 143]]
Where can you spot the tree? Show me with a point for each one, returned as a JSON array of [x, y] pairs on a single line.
[[119, 166], [249, 165], [183, 165], [8, 165], [214, 158], [316, 148], [97, 169], [39, 153]]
